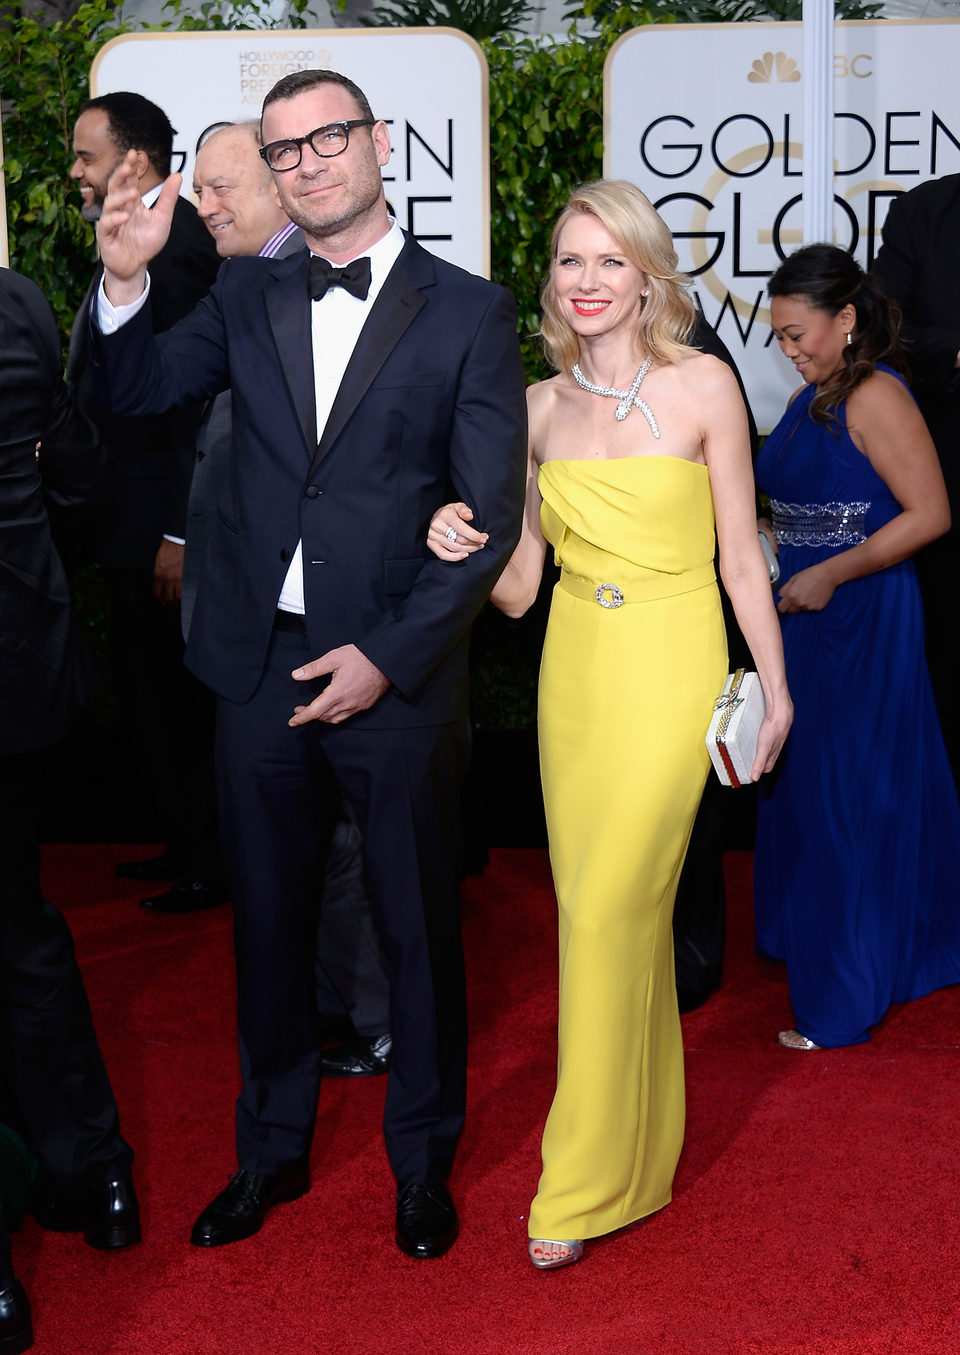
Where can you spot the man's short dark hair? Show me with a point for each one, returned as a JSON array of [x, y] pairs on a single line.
[[137, 124], [289, 86]]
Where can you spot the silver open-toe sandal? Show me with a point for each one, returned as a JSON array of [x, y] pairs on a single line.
[[550, 1255], [792, 1039]]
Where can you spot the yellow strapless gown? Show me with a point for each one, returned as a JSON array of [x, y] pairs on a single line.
[[626, 694]]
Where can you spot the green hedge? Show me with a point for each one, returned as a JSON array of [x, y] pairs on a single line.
[[546, 123]]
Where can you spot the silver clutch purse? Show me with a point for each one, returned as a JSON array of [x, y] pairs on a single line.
[[732, 737], [770, 559]]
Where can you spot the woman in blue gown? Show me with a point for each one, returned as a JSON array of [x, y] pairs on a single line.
[[857, 864]]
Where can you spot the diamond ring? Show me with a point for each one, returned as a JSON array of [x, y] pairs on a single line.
[[451, 534]]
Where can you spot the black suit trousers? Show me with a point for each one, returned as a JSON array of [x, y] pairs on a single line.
[[279, 793], [171, 714], [51, 1058]]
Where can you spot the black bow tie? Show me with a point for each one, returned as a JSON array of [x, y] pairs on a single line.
[[353, 278]]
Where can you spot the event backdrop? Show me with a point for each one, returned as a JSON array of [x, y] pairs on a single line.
[[707, 120], [429, 85]]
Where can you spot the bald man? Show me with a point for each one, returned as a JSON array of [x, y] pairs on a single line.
[[238, 203], [237, 198]]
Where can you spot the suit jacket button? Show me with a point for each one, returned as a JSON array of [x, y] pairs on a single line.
[[312, 492], [284, 555]]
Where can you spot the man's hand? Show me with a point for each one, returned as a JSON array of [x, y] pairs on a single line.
[[129, 235], [168, 572], [356, 685]]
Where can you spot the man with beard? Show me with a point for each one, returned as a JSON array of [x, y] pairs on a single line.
[[239, 204], [369, 380], [141, 538]]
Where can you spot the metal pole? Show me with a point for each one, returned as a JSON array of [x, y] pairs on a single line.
[[818, 158]]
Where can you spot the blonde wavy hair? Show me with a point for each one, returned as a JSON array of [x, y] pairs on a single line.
[[668, 316]]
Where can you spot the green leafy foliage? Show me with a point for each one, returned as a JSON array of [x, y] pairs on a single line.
[[220, 15], [480, 18], [707, 11], [45, 71], [546, 136]]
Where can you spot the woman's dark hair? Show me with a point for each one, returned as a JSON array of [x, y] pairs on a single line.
[[828, 278]]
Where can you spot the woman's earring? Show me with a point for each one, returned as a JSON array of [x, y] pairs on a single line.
[[849, 338]]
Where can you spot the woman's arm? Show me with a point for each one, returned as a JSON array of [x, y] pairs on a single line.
[[889, 429], [726, 451], [516, 589]]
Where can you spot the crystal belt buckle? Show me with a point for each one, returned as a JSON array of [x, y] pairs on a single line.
[[615, 599]]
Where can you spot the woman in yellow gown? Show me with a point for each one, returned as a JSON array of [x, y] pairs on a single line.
[[636, 445]]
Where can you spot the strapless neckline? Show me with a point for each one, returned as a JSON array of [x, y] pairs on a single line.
[[617, 460]]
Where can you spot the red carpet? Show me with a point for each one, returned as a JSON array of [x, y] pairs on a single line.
[[815, 1210]]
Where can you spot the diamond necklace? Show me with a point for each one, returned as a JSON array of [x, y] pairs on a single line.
[[628, 398]]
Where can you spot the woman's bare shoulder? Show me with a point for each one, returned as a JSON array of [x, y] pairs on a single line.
[[542, 393], [704, 368], [542, 402], [707, 381], [879, 397], [879, 391]]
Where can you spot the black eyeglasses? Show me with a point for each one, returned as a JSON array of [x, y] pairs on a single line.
[[324, 141]]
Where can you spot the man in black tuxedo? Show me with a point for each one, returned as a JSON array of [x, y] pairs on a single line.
[[238, 203], [919, 267], [141, 550], [337, 646], [50, 1056]]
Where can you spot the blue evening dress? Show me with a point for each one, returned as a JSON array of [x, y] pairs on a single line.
[[857, 864]]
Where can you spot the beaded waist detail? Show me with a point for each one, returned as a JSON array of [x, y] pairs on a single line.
[[819, 524]]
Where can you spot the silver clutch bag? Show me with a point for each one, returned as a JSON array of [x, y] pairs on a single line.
[[732, 737], [770, 559]]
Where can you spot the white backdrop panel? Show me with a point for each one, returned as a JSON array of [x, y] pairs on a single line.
[[429, 85], [707, 120]]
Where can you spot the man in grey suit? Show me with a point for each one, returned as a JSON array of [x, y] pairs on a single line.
[[239, 205]]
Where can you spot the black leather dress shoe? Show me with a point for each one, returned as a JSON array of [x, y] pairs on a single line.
[[357, 1057], [16, 1328], [192, 895], [167, 866], [427, 1223], [106, 1212], [239, 1211], [110, 1214]]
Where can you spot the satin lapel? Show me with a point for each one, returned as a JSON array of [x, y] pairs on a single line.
[[392, 312], [289, 310]]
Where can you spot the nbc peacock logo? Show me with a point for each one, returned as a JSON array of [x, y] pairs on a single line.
[[774, 68]]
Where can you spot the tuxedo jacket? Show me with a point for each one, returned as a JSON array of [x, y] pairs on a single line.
[[431, 408], [214, 450], [918, 265], [152, 458], [44, 669]]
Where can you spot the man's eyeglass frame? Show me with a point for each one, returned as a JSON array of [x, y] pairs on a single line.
[[301, 141]]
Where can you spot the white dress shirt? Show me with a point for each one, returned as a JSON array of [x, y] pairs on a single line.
[[336, 321]]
